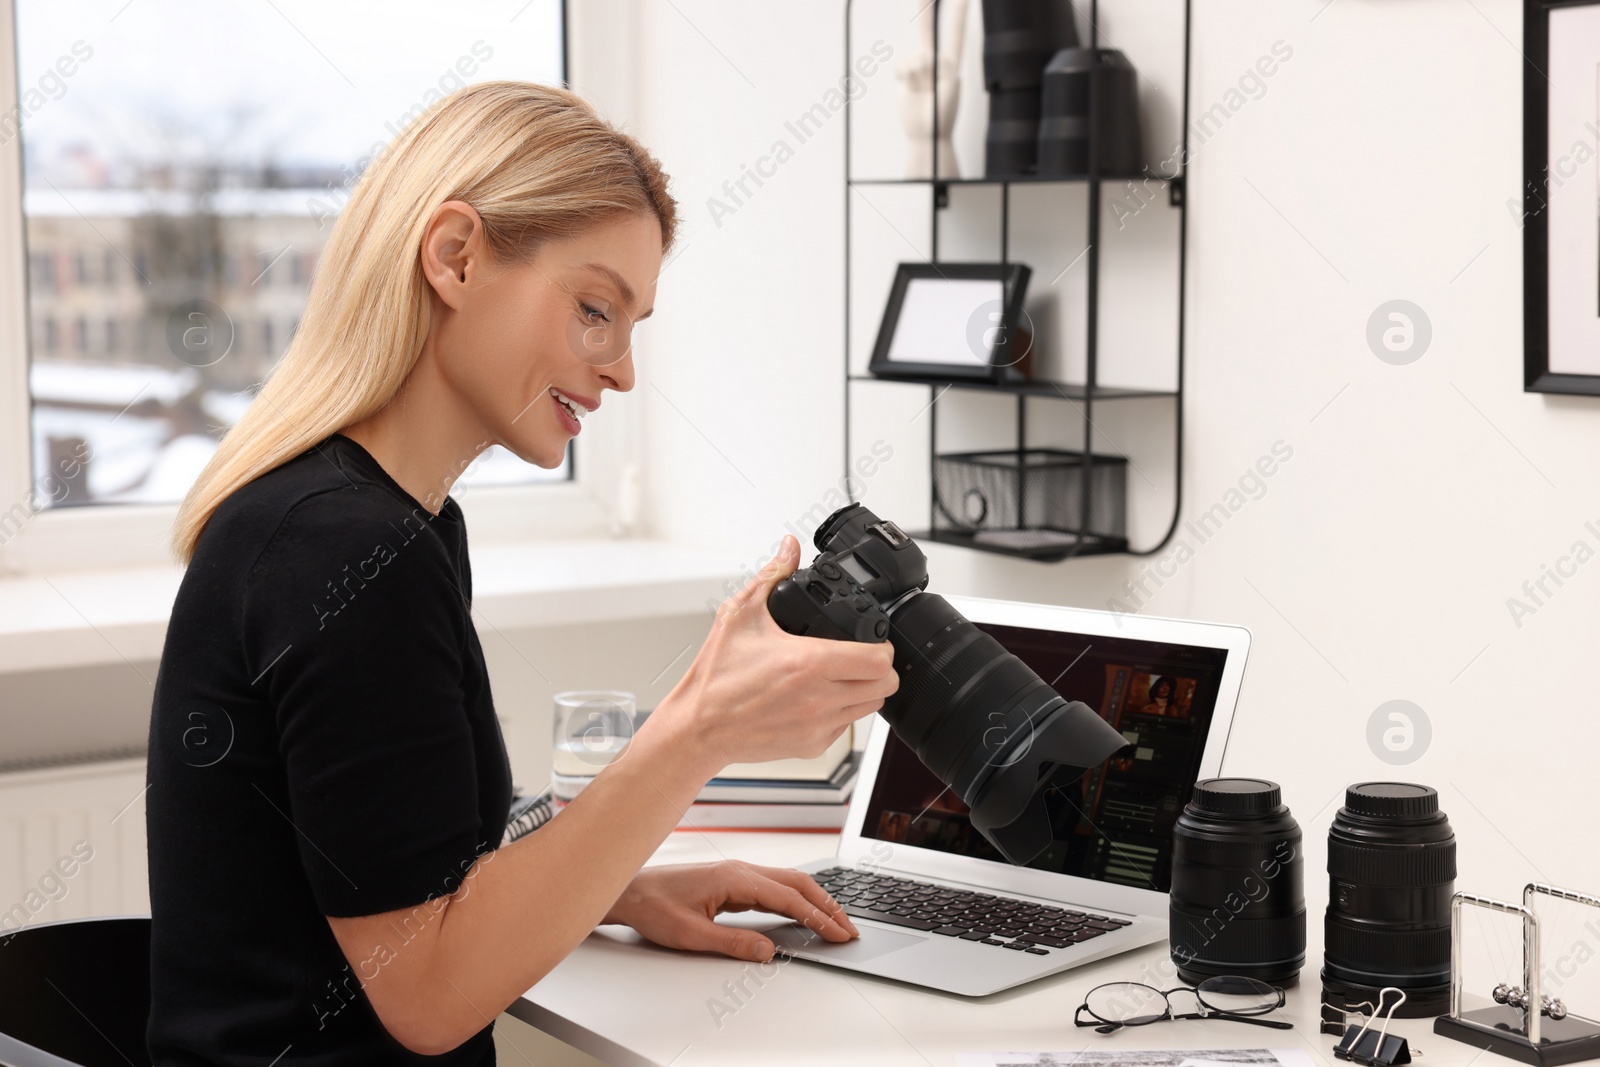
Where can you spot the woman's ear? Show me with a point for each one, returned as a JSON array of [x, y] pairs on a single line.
[[453, 250]]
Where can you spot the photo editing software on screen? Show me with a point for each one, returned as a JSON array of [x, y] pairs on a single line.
[[1115, 823]]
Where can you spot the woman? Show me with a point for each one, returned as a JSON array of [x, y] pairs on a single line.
[[327, 782]]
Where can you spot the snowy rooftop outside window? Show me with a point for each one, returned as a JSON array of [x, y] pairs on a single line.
[[157, 173]]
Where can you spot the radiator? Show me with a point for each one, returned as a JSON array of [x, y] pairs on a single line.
[[72, 843]]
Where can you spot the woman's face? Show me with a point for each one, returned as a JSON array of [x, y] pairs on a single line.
[[531, 347]]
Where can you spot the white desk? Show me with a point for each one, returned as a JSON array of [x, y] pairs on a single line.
[[627, 1002]]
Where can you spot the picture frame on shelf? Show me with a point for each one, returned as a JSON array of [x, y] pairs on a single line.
[[1561, 191], [955, 321]]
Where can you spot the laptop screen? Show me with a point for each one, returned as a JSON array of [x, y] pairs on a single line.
[[1115, 823]]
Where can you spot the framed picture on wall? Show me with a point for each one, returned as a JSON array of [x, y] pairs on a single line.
[[1561, 197]]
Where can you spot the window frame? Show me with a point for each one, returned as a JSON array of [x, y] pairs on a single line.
[[597, 501]]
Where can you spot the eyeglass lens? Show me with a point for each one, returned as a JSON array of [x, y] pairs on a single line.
[[1126, 1003], [1237, 995]]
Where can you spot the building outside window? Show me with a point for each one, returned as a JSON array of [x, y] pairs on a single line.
[[165, 191]]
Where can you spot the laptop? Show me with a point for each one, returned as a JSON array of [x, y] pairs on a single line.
[[936, 904]]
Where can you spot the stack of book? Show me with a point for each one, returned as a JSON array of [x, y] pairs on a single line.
[[788, 794]]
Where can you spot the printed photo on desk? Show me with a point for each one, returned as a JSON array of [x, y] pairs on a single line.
[[1127, 1057]]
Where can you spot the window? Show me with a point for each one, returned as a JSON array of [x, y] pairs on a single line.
[[179, 150]]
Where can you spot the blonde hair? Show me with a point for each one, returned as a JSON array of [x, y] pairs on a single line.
[[535, 162]]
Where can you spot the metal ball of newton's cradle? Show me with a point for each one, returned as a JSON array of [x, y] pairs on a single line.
[[1513, 996]]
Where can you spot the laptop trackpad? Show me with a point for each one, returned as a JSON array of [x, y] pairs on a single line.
[[798, 941]]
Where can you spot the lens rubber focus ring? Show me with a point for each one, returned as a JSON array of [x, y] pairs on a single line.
[[1405, 867]]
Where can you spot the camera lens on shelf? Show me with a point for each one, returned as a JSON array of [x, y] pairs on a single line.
[[1391, 874], [1238, 900], [1011, 144], [1020, 36], [1074, 78]]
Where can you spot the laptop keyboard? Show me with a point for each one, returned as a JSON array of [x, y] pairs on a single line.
[[981, 917]]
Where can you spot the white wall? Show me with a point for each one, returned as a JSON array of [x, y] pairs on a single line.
[[1377, 564]]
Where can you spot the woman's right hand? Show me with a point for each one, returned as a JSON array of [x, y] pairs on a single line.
[[758, 693]]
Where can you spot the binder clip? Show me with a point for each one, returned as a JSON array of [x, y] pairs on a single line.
[[1337, 1014], [1376, 1048], [1335, 1017]]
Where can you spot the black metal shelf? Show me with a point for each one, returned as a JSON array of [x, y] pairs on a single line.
[[1023, 179], [1085, 394], [1031, 387], [1082, 545]]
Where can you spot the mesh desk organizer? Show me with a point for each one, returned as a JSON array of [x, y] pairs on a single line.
[[1522, 1024]]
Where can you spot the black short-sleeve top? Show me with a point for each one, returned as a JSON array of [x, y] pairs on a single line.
[[322, 743]]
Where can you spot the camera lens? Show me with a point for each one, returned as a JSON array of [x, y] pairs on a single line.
[[1020, 36], [1238, 901], [1391, 874], [1011, 144], [965, 704], [987, 725], [974, 714]]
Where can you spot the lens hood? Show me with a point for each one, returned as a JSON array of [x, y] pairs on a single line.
[[1008, 805]]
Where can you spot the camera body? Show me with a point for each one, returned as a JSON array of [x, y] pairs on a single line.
[[864, 568], [976, 716]]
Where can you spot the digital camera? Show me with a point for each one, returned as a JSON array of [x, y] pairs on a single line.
[[976, 716]]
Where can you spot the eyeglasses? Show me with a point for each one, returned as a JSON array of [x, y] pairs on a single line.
[[1112, 1006]]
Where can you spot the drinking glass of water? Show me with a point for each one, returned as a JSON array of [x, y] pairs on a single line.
[[592, 727]]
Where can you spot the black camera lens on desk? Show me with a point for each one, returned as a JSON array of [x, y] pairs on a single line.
[[976, 716], [1391, 874], [1238, 891]]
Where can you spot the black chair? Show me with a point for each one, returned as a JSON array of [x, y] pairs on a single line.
[[75, 993]]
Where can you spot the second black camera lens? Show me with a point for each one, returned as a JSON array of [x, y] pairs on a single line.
[[1391, 874]]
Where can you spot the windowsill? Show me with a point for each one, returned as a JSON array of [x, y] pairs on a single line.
[[83, 618]]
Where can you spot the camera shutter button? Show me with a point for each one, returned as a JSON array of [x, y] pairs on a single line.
[[829, 571], [881, 628]]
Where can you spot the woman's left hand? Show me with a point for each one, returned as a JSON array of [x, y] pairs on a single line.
[[676, 906]]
